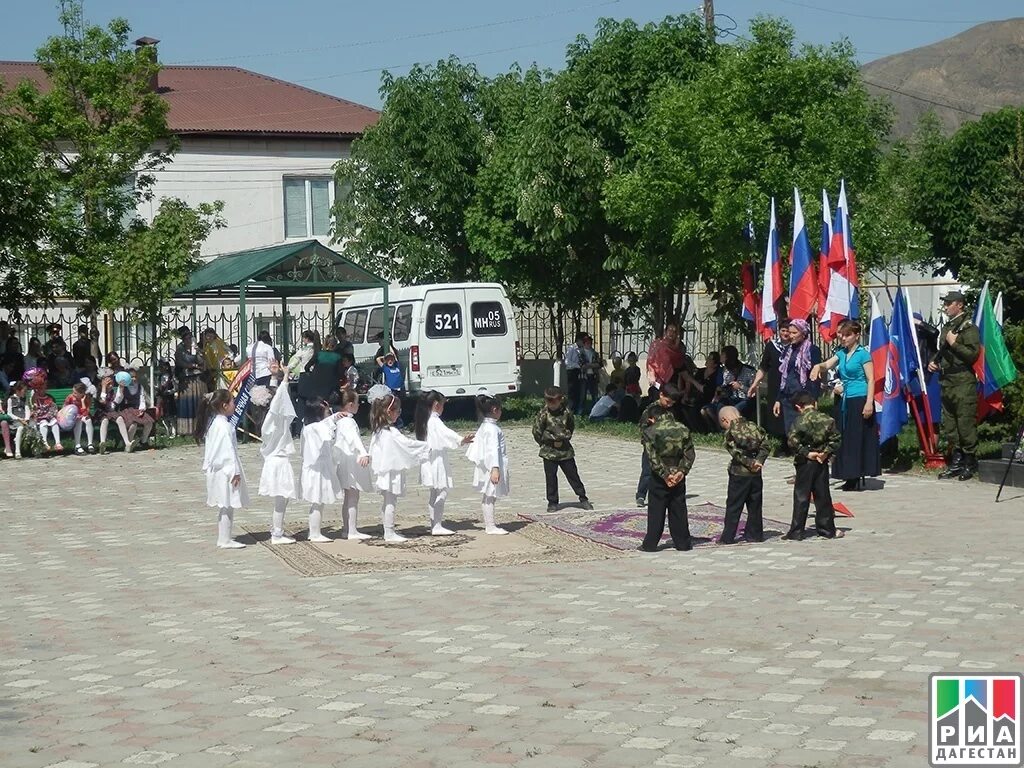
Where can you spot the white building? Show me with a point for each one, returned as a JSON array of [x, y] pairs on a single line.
[[263, 146]]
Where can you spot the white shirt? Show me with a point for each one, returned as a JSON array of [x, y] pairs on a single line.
[[572, 358], [602, 407], [262, 355]]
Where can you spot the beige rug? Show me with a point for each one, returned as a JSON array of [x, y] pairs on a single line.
[[469, 547]]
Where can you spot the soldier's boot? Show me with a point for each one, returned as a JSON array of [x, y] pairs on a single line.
[[955, 466], [970, 466]]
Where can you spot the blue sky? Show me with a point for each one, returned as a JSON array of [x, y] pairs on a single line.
[[340, 47]]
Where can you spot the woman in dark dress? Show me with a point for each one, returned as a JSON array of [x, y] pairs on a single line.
[[190, 374], [799, 356], [768, 372], [324, 374]]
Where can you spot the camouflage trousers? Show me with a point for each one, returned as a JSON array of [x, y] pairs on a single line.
[[959, 412]]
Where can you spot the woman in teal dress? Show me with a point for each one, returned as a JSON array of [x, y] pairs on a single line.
[[858, 456]]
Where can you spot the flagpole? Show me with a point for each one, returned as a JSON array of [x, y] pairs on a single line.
[[929, 441]]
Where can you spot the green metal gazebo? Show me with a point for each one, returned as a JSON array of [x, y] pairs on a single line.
[[289, 270]]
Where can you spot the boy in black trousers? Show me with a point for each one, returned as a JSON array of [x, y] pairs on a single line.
[[813, 438], [670, 450], [747, 443], [552, 429]]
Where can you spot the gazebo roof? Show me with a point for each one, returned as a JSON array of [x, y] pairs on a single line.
[[301, 268]]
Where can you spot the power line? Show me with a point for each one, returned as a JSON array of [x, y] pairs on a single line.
[[883, 18], [416, 36]]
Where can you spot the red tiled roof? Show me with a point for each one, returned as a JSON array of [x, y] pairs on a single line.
[[229, 100]]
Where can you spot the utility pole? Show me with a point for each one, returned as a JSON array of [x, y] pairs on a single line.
[[709, 17]]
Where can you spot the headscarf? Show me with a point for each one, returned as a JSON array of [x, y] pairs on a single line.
[[803, 354]]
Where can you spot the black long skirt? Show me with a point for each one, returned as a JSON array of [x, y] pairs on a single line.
[[859, 454]]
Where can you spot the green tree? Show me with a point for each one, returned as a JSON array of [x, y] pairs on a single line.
[[28, 266], [765, 118], [410, 178], [102, 131]]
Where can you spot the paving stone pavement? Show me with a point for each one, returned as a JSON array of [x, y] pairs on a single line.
[[128, 638]]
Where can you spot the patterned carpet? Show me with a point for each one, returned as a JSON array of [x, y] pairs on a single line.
[[625, 528]]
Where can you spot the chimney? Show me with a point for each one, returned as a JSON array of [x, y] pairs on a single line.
[[149, 42]]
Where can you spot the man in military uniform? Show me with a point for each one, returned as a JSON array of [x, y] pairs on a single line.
[[813, 438], [670, 449], [959, 346], [747, 443]]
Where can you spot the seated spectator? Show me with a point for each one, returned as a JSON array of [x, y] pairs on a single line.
[[617, 375], [82, 347], [631, 376], [167, 387], [737, 379], [82, 400], [605, 407]]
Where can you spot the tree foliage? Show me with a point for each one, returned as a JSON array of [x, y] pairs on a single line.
[[765, 118]]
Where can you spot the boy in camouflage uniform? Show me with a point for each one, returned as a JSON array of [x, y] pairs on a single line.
[[670, 449], [747, 443], [552, 429], [667, 398], [813, 438]]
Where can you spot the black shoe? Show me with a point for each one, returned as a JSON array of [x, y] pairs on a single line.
[[956, 466], [642, 548], [970, 467], [754, 539], [585, 503], [727, 541], [552, 507], [686, 547], [850, 485], [797, 536]]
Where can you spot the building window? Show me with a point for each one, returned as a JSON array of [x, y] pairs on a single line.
[[307, 206]]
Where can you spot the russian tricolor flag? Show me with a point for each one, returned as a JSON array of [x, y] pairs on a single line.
[[878, 344], [842, 300], [771, 291], [803, 290], [824, 271]]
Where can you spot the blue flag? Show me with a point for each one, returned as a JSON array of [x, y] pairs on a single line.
[[901, 370]]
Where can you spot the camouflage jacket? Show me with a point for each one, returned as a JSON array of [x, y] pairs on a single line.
[[652, 413], [668, 445], [960, 357], [813, 432], [747, 443], [553, 430]]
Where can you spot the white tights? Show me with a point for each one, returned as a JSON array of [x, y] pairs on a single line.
[[435, 505], [387, 512], [44, 428], [487, 508], [277, 526], [78, 430], [350, 512], [121, 427], [316, 512], [225, 517]]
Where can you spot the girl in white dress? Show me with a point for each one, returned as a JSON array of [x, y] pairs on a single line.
[[391, 454], [490, 459], [436, 472], [319, 476], [278, 478], [225, 480], [353, 463]]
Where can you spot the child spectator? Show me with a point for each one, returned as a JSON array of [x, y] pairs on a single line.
[[5, 428], [436, 472], [670, 448], [391, 454], [319, 477], [747, 443], [552, 429], [130, 399], [617, 375], [225, 480], [391, 372], [351, 380], [353, 464], [813, 438], [44, 414], [18, 410], [606, 407], [489, 455], [82, 400]]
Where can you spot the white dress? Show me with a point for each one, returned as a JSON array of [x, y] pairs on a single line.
[[436, 472], [348, 449], [391, 453], [278, 477], [319, 477], [488, 451], [220, 463]]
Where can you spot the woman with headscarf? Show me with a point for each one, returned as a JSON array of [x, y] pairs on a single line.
[[190, 373], [798, 358]]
